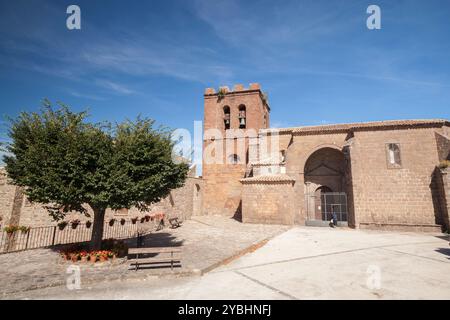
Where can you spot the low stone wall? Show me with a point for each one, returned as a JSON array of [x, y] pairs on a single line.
[[402, 227], [14, 210], [268, 202]]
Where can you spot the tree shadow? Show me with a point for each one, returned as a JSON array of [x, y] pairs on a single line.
[[444, 237], [160, 239], [444, 251]]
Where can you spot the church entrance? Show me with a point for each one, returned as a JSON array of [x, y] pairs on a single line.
[[334, 202], [326, 187]]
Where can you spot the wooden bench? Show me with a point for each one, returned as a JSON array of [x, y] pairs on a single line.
[[174, 222], [164, 255]]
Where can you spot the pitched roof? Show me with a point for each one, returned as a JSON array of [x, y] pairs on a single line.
[[269, 178], [375, 125]]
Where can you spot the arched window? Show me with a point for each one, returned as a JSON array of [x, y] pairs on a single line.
[[226, 117], [242, 117], [393, 155], [233, 159]]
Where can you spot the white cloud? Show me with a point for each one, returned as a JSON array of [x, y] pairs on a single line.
[[115, 87]]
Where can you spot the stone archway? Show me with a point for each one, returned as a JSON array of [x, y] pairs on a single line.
[[325, 176], [318, 203]]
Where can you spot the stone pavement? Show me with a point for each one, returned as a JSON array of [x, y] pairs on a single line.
[[206, 243], [302, 263]]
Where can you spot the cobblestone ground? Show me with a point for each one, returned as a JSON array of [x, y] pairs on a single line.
[[206, 242]]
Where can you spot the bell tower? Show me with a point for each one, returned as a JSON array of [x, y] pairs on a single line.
[[232, 119]]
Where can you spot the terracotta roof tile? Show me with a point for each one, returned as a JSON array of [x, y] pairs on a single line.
[[344, 127], [266, 163], [269, 178]]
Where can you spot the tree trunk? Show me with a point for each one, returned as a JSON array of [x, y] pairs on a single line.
[[97, 228]]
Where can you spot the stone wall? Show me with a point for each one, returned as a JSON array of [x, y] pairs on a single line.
[[268, 202], [182, 202], [394, 197], [7, 192], [222, 189]]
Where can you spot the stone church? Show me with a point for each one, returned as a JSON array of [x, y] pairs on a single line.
[[384, 175], [389, 175]]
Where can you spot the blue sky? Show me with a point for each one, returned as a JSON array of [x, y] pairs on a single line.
[[316, 59]]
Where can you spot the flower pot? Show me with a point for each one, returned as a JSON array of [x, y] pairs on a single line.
[[74, 258], [93, 258], [84, 259], [88, 224], [103, 258], [74, 225]]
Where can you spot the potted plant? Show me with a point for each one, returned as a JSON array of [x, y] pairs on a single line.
[[103, 256], [142, 219], [75, 223], [62, 225], [147, 218], [64, 255], [93, 256], [88, 224], [122, 221], [10, 230], [83, 256], [134, 220], [111, 222], [24, 229], [112, 255], [74, 256]]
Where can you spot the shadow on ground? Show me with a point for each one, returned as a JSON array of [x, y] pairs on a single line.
[[444, 251]]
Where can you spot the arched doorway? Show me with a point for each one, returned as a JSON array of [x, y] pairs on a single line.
[[325, 176], [318, 201]]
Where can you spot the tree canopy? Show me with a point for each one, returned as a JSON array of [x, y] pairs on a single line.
[[67, 163]]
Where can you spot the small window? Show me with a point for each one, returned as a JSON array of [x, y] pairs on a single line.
[[233, 159], [242, 117], [226, 117], [283, 156], [393, 155]]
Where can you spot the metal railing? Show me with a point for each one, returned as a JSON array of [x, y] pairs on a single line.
[[41, 237]]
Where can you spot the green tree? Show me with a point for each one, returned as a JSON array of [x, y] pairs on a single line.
[[67, 163]]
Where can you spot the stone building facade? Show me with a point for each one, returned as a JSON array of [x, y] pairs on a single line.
[[384, 175], [381, 175]]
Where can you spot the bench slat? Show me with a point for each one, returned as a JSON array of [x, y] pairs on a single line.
[[144, 260], [153, 250]]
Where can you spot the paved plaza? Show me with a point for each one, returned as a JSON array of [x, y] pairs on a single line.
[[206, 243], [300, 263]]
